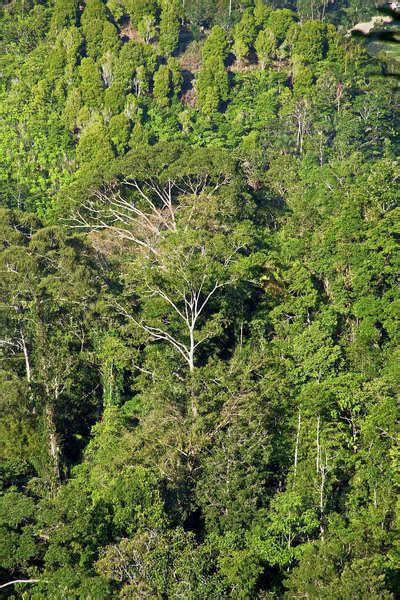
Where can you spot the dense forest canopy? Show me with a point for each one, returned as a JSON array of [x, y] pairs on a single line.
[[199, 303]]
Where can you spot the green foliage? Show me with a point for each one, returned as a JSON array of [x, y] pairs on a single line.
[[199, 11], [114, 98], [244, 35], [117, 9], [169, 28], [65, 14], [18, 546], [261, 12], [91, 83], [119, 129], [94, 9], [176, 76], [94, 147], [212, 86], [146, 28], [216, 45], [198, 302], [265, 46], [162, 85], [140, 9], [100, 37], [279, 21], [311, 43]]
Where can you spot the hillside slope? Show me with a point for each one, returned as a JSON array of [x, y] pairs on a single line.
[[199, 302]]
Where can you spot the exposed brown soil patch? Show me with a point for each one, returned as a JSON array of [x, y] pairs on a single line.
[[190, 59], [189, 98], [127, 31]]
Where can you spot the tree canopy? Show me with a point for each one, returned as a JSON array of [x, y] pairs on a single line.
[[198, 302]]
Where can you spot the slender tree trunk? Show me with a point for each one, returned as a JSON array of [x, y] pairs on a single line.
[[323, 471], [375, 498], [191, 350], [318, 446], [193, 404], [296, 448], [26, 357], [54, 450]]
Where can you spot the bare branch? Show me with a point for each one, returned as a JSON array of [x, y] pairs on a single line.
[[157, 333], [215, 288], [3, 585], [171, 303]]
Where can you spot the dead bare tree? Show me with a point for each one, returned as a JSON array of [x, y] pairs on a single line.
[[138, 222], [143, 217], [152, 209]]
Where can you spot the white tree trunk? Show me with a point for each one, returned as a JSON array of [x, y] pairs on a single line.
[[296, 448], [26, 357]]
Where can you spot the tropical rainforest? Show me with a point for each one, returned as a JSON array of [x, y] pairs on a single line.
[[199, 304]]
